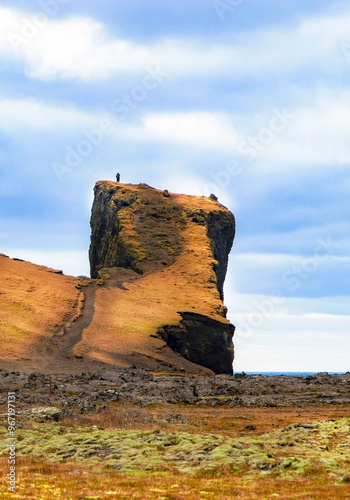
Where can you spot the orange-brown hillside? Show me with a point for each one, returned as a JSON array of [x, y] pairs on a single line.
[[158, 261], [35, 304]]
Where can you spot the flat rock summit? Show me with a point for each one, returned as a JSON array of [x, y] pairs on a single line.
[[154, 300]]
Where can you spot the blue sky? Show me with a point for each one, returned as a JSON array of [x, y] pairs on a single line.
[[247, 99]]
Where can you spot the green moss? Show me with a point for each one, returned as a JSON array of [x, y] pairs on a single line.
[[207, 454]]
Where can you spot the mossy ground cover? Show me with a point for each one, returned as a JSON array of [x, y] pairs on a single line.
[[301, 460]]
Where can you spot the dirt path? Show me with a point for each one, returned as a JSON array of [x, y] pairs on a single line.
[[56, 351], [74, 333], [62, 345]]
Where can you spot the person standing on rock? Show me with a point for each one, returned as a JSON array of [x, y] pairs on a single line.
[[118, 177]]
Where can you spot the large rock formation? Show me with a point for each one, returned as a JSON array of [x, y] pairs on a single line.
[[158, 263], [163, 258]]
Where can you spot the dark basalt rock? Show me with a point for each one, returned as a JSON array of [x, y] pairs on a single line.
[[121, 228], [88, 392], [221, 231], [198, 335]]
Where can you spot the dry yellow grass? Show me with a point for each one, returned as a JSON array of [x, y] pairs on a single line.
[[41, 481], [35, 302]]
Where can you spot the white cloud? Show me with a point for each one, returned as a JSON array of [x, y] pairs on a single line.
[[39, 115], [202, 131], [317, 134], [326, 31], [11, 21], [197, 129], [73, 48], [80, 47]]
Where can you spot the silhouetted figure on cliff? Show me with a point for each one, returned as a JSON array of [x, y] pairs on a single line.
[[118, 177]]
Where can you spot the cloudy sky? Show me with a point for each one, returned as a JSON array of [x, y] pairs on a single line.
[[247, 99]]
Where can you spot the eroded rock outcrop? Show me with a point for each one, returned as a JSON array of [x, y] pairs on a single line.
[[163, 258]]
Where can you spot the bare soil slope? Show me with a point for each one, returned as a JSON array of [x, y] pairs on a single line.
[[36, 303]]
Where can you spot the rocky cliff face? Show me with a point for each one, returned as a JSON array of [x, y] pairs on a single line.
[[137, 229], [163, 259]]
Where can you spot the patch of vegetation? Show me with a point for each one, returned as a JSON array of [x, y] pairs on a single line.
[[292, 451], [304, 460]]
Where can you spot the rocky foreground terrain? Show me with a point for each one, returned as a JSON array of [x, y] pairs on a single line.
[[167, 435], [43, 397]]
